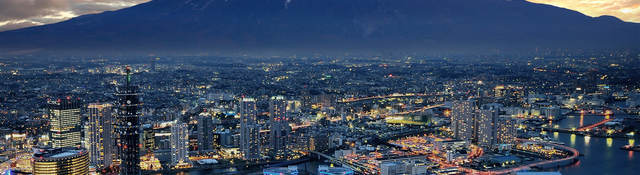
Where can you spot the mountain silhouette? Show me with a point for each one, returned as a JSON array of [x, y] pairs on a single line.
[[326, 26]]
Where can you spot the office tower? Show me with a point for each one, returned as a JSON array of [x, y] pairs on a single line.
[[65, 122], [222, 139], [507, 130], [279, 128], [319, 141], [486, 122], [100, 132], [60, 161], [462, 119], [86, 137], [148, 138], [179, 143], [205, 133], [127, 127], [249, 129]]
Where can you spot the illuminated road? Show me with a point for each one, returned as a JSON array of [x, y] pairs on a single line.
[[349, 100], [414, 111], [295, 127]]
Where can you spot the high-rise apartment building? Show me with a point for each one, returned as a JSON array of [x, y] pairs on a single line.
[[506, 130], [179, 143], [279, 128], [486, 124], [462, 119], [249, 129], [205, 133], [101, 145]]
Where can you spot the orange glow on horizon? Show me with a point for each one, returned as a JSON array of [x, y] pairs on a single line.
[[627, 10]]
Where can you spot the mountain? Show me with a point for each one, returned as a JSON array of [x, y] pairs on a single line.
[[326, 26]]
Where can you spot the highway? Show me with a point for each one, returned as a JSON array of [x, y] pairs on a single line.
[[349, 100], [414, 111]]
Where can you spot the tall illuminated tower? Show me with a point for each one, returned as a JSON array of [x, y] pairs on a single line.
[[65, 122], [127, 127], [463, 119], [249, 129], [179, 143], [279, 130], [205, 133], [101, 144], [486, 127], [506, 130]]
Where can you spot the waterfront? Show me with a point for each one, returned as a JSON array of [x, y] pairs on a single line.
[[309, 167], [601, 156]]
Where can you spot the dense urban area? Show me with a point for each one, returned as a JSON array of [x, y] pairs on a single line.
[[317, 115]]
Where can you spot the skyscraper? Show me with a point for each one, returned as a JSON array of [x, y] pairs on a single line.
[[127, 127], [148, 138], [205, 133], [65, 119], [486, 124], [100, 132], [462, 119], [280, 129], [249, 129], [179, 143], [506, 130]]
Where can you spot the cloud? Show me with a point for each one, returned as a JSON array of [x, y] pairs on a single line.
[[16, 14], [627, 10], [17, 24]]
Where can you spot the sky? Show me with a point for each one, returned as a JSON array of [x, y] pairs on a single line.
[[15, 14], [627, 10]]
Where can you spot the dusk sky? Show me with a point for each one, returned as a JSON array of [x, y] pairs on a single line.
[[16, 14]]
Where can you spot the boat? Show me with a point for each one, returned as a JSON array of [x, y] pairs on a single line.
[[631, 148], [207, 161]]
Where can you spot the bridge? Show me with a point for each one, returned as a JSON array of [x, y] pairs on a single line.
[[589, 127], [353, 166], [583, 130]]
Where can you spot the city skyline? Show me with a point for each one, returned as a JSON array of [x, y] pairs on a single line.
[[329, 87]]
